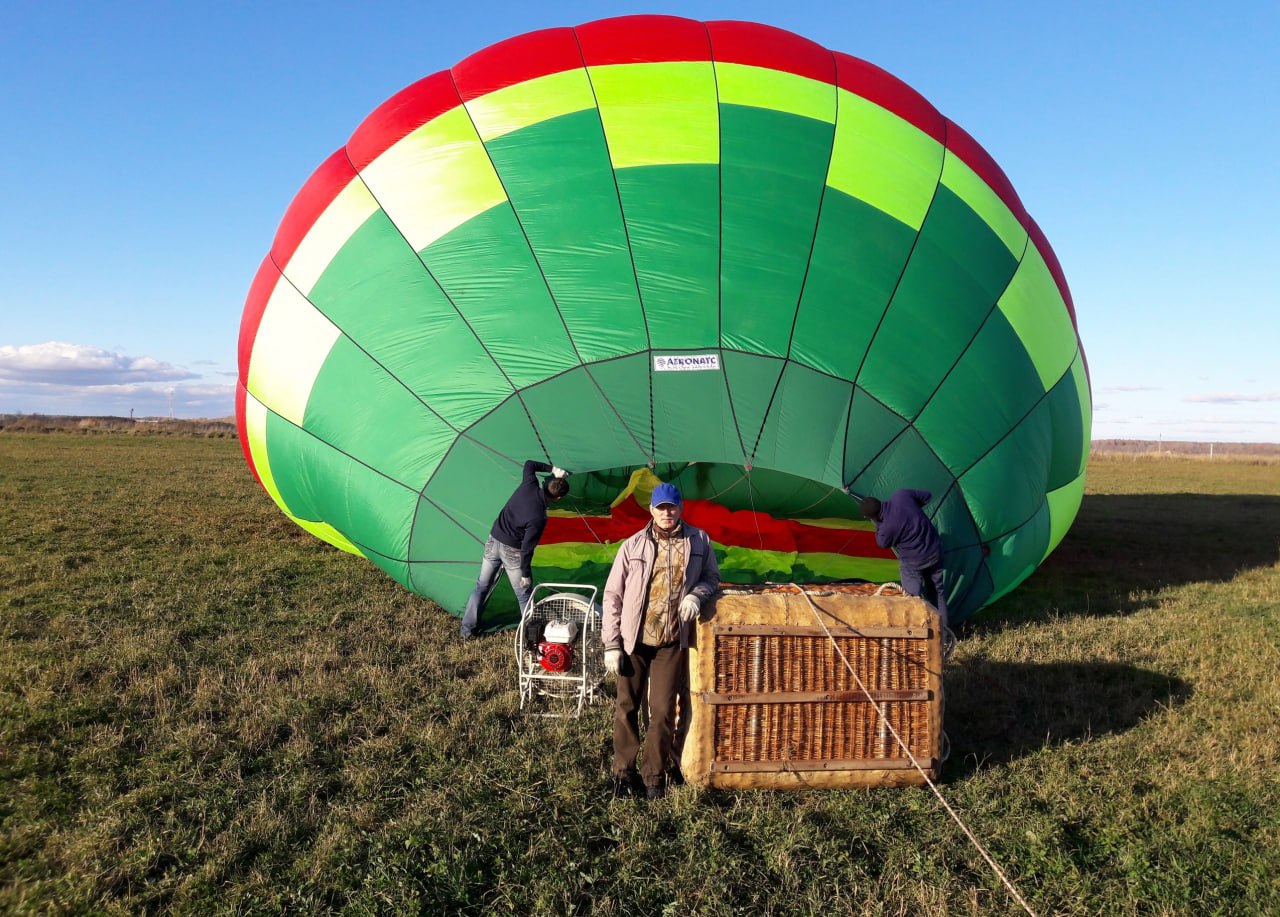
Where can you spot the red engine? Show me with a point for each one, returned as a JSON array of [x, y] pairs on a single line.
[[555, 657]]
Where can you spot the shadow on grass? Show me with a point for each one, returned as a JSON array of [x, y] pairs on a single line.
[[1122, 548], [999, 711]]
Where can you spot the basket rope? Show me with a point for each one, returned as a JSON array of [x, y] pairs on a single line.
[[912, 758]]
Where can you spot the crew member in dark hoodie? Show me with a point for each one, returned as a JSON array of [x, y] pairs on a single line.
[[511, 541], [902, 525]]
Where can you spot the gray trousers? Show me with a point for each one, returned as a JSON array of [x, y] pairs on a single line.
[[926, 582], [497, 557]]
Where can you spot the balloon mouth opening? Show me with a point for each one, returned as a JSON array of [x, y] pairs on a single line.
[[732, 486], [766, 525]]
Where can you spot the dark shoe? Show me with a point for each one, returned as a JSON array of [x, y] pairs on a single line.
[[625, 785], [654, 791]]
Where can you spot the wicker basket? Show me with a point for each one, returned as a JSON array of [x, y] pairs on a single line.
[[774, 705]]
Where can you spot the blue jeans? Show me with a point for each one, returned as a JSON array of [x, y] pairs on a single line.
[[497, 557], [926, 582]]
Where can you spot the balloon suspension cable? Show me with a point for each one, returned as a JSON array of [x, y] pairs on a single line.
[[755, 515], [857, 498], [912, 758], [724, 490], [804, 509], [583, 517]]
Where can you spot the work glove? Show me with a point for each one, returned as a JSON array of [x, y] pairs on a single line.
[[689, 606], [612, 659], [526, 583], [558, 472]]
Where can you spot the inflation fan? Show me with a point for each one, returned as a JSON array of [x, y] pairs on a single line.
[[559, 658]]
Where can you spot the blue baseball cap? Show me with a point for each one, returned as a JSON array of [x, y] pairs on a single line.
[[665, 493]]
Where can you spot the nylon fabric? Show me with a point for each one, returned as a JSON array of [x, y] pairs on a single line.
[[673, 224], [802, 431], [359, 409], [1008, 484], [558, 177], [1070, 448], [487, 271], [1044, 331], [1015, 555], [491, 268], [383, 298], [692, 418], [322, 484], [771, 190], [752, 381], [957, 270], [872, 429], [989, 390], [858, 257], [1064, 503], [596, 436]]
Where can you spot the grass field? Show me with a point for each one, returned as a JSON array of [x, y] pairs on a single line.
[[205, 710]]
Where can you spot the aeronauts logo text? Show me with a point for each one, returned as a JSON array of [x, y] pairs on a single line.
[[693, 362]]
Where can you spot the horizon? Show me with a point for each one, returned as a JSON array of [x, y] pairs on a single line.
[[231, 420]]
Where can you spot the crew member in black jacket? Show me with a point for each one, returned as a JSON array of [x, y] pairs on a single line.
[[902, 525], [511, 541]]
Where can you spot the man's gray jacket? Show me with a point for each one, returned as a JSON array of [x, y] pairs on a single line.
[[626, 594]]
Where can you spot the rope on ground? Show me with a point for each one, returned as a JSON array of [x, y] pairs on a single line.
[[948, 642], [912, 758]]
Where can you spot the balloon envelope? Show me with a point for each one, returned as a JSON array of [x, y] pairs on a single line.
[[649, 248]]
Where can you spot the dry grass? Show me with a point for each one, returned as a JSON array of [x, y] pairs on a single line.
[[1222, 456], [204, 710]]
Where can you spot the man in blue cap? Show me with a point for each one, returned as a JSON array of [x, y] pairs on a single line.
[[659, 580]]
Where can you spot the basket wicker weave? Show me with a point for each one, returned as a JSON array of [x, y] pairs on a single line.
[[773, 704]]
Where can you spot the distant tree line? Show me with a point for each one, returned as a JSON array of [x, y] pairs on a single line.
[[220, 428], [1146, 446]]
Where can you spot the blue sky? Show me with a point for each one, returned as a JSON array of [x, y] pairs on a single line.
[[151, 149]]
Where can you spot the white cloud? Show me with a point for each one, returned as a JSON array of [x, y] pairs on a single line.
[[61, 378], [1232, 398], [57, 363]]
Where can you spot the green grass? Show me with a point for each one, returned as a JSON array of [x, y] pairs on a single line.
[[205, 710]]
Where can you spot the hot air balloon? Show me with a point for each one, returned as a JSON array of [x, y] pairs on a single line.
[[649, 248]]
